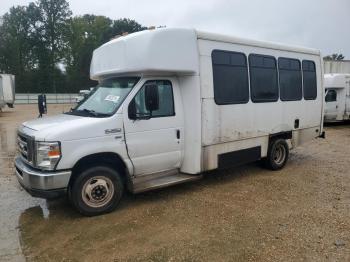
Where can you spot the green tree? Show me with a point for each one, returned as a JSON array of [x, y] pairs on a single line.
[[49, 50], [86, 34], [125, 25], [52, 35], [16, 44]]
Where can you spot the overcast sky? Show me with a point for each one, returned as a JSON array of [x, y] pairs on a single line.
[[321, 24]]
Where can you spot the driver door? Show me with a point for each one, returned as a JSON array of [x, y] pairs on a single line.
[[331, 109], [155, 141]]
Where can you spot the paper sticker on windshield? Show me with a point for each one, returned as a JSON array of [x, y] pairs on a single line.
[[112, 98]]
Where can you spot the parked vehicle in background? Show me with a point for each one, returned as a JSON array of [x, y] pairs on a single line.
[[171, 104], [83, 94], [7, 90], [337, 66], [337, 106]]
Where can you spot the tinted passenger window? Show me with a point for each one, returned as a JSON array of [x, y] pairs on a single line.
[[290, 79], [309, 80], [263, 78], [331, 96], [166, 100], [230, 75]]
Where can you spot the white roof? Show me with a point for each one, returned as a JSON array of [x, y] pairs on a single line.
[[250, 42], [336, 80], [161, 50], [171, 50]]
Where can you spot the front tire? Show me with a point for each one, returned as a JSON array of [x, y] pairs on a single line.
[[277, 155], [96, 190]]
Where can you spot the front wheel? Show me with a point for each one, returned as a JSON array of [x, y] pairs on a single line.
[[277, 154], [97, 190]]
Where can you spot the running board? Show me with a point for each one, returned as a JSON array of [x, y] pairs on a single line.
[[150, 182]]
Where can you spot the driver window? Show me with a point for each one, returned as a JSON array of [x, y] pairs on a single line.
[[166, 100]]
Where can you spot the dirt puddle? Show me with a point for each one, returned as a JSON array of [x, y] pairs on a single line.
[[13, 199], [247, 214]]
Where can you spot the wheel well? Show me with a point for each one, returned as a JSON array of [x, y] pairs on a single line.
[[107, 158], [284, 135]]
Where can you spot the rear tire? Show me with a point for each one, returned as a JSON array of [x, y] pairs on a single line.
[[277, 155], [96, 190]]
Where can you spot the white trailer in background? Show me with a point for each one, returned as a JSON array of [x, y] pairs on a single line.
[[337, 106], [337, 67], [7, 90]]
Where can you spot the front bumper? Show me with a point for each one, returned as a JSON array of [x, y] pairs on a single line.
[[44, 184]]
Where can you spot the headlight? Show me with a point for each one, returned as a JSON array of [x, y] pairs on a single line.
[[47, 155]]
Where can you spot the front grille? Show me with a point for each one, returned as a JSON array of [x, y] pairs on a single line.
[[26, 147]]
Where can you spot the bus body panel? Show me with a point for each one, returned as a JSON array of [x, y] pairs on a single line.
[[228, 128]]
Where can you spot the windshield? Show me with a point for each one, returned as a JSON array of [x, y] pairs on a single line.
[[107, 97]]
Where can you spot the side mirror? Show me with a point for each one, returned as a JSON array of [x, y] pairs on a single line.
[[132, 110], [151, 97]]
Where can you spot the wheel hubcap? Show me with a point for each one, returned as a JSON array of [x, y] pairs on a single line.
[[279, 154], [97, 191]]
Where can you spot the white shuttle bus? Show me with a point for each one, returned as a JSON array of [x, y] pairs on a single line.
[[337, 107], [170, 105], [7, 90]]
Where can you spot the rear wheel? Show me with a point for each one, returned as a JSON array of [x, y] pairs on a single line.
[[96, 190], [277, 155]]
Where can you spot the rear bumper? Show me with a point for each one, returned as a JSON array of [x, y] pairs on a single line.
[[40, 183]]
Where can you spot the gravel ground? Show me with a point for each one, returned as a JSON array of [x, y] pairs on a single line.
[[245, 214], [14, 200]]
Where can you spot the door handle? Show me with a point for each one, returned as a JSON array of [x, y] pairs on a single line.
[[178, 133], [113, 130]]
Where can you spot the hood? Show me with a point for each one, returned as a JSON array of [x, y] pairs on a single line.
[[66, 127], [51, 121]]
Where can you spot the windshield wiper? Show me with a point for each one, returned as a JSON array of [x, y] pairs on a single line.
[[88, 112]]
